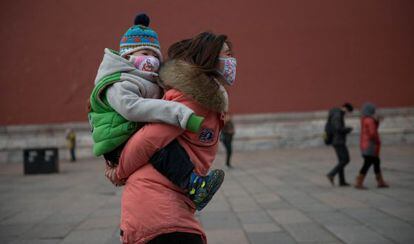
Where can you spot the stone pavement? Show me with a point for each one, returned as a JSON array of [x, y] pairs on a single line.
[[279, 196]]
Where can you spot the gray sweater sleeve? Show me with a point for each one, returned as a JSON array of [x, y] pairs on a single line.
[[128, 101]]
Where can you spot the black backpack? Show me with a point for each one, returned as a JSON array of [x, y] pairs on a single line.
[[328, 134]]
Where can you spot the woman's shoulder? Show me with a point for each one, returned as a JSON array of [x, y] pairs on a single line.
[[367, 119]]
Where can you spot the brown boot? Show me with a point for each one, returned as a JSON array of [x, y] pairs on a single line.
[[381, 182], [359, 182]]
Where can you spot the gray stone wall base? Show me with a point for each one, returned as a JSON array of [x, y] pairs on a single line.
[[253, 132], [301, 130], [14, 139]]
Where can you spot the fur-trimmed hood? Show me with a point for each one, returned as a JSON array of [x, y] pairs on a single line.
[[112, 63], [193, 82]]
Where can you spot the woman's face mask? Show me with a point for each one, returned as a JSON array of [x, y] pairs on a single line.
[[145, 63], [228, 69]]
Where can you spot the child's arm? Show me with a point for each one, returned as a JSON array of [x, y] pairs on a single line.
[[127, 99]]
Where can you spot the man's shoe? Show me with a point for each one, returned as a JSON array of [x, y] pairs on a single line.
[[203, 188], [331, 179], [345, 184]]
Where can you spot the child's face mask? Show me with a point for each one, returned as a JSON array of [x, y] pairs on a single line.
[[145, 63], [228, 69]]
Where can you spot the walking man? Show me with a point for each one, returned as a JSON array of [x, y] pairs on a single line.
[[339, 133], [227, 138]]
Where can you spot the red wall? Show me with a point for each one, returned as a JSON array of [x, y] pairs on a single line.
[[293, 55]]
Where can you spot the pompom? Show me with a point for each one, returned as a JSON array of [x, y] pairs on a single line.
[[142, 19]]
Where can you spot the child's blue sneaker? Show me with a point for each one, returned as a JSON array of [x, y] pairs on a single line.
[[202, 188]]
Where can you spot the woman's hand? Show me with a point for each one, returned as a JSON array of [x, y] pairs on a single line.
[[110, 173]]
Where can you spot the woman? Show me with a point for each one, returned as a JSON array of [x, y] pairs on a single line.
[[154, 210], [370, 144]]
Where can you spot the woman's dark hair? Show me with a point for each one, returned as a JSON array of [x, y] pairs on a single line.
[[201, 51]]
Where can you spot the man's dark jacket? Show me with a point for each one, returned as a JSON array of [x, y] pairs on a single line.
[[338, 125]]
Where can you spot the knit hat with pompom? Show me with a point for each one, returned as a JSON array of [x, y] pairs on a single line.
[[139, 37]]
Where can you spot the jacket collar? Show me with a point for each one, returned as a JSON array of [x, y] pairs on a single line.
[[194, 83]]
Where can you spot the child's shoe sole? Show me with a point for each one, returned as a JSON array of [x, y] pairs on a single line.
[[212, 187]]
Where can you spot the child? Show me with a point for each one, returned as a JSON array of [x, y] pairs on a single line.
[[127, 93], [370, 144]]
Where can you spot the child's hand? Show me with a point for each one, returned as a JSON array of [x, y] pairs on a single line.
[[110, 173]]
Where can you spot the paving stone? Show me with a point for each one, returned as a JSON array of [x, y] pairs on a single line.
[[266, 197], [300, 199], [338, 201], [64, 218], [365, 214], [356, 234], [7, 213], [254, 217], [226, 236], [219, 220], [219, 203], [95, 236], [234, 191], [99, 223], [302, 232], [47, 241], [107, 212], [333, 218], [270, 181], [329, 242], [405, 195], [314, 207], [49, 231], [261, 227], [114, 239], [406, 214], [7, 239], [270, 238], [271, 197], [288, 191], [394, 229], [28, 217], [14, 230], [218, 206], [288, 216], [240, 204], [275, 205]]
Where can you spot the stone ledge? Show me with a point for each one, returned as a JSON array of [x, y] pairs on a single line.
[[253, 132], [313, 115]]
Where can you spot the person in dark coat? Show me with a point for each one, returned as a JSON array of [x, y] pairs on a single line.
[[370, 144], [340, 132], [71, 141], [227, 138]]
